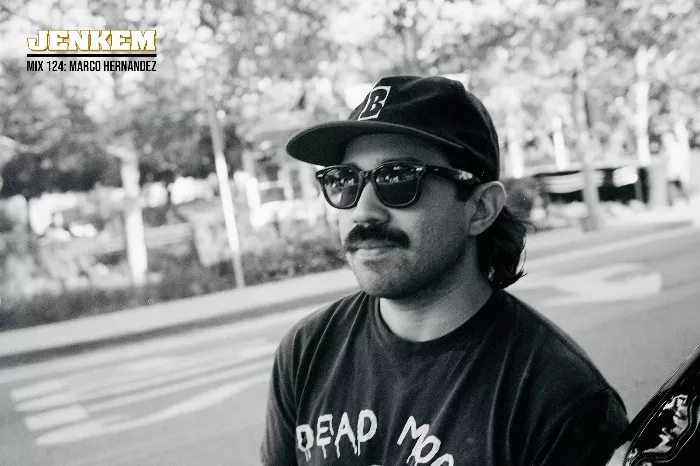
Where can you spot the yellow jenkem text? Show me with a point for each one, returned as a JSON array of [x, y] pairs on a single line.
[[90, 40]]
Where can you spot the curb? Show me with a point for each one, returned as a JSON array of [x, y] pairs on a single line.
[[28, 356]]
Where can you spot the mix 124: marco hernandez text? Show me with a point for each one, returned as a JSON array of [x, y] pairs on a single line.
[[112, 65]]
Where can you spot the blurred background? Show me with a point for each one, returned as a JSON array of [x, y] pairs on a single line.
[[110, 196], [170, 194]]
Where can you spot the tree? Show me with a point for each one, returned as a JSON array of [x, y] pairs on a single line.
[[39, 115]]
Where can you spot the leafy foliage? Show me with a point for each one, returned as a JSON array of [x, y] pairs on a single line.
[[263, 61]]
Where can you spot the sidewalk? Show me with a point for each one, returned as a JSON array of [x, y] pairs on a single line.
[[316, 289], [168, 317]]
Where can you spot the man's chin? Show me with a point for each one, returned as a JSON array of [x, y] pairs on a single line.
[[383, 292], [379, 285]]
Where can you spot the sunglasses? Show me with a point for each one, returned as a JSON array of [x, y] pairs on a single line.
[[397, 184]]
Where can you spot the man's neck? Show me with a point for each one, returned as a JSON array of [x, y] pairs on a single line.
[[435, 311]]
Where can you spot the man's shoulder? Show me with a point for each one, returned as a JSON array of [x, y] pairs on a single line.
[[326, 319], [554, 353]]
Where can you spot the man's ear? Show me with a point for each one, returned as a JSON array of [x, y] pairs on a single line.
[[488, 199]]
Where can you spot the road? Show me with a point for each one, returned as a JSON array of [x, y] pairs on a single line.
[[632, 302]]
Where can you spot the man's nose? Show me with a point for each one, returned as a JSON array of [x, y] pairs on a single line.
[[369, 208]]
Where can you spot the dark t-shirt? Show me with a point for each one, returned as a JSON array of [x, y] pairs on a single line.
[[505, 388]]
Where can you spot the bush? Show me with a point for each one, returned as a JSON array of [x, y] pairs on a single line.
[[292, 258], [91, 288]]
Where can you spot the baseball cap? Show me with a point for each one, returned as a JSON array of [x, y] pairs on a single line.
[[435, 109]]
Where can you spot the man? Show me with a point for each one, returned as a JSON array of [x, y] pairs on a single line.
[[432, 362]]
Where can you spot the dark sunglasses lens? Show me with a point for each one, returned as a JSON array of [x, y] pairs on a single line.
[[397, 185], [341, 186]]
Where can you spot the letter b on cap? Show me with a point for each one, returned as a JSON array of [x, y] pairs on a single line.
[[375, 102]]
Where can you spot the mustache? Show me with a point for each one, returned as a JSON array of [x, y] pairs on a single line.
[[373, 232]]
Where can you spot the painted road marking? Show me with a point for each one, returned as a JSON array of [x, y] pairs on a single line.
[[585, 253], [79, 394], [595, 286], [71, 414], [38, 389], [598, 285], [123, 374], [600, 316], [263, 366], [56, 417], [109, 376], [48, 402], [65, 410], [97, 428], [140, 349]]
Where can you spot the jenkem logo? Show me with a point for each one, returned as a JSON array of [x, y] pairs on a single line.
[[92, 50], [93, 41]]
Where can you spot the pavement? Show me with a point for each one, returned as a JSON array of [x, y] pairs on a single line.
[[84, 334]]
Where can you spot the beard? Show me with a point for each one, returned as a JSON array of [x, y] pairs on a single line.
[[401, 276]]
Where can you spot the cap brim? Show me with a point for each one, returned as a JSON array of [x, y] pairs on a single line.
[[324, 144]]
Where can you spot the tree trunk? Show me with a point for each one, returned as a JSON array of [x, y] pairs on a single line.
[[225, 194], [658, 177], [560, 156], [516, 157], [641, 120], [683, 147], [28, 212], [591, 221], [133, 221]]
